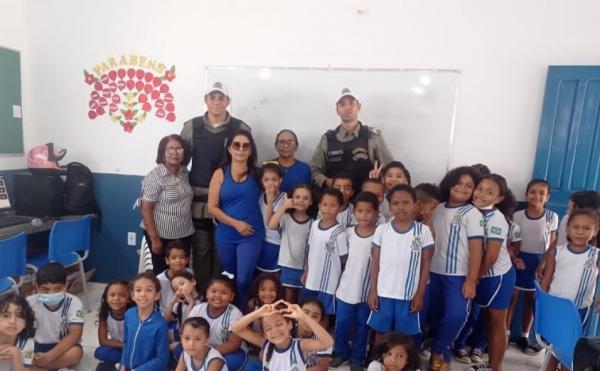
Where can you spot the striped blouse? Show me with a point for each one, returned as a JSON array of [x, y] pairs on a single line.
[[172, 196]]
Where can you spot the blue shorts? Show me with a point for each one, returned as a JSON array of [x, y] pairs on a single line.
[[290, 277], [394, 315], [496, 292], [267, 260], [526, 277], [326, 299]]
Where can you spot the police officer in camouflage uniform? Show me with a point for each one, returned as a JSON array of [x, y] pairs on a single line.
[[350, 148], [207, 136]]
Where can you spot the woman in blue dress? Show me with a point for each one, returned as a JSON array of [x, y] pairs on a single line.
[[233, 196]]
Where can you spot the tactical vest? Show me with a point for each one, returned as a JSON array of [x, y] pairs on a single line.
[[209, 150], [350, 157]]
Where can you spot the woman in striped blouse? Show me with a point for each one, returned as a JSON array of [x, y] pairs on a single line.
[[167, 199]]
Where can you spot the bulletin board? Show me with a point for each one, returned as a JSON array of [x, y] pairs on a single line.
[[11, 122]]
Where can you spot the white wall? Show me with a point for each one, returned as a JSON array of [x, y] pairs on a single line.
[[503, 49], [13, 35]]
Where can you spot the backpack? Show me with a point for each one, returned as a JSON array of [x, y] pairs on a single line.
[[79, 190]]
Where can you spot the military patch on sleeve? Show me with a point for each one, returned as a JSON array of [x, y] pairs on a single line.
[[496, 230]]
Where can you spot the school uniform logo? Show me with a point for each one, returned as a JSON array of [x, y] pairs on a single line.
[[330, 247], [589, 263], [417, 244], [496, 230], [224, 333], [457, 219]]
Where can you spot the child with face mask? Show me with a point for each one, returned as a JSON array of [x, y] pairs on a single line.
[[59, 320]]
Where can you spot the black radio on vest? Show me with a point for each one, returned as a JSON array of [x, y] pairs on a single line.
[[351, 157], [209, 150]]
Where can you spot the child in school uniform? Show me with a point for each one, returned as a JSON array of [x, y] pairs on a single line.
[[402, 251], [280, 350], [197, 355], [220, 313], [459, 233], [351, 296], [343, 182], [271, 176], [16, 327], [293, 219], [111, 321], [327, 251], [538, 227], [185, 298], [496, 274], [571, 272], [59, 318], [177, 255]]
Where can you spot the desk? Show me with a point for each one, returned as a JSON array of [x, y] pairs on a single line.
[[30, 228]]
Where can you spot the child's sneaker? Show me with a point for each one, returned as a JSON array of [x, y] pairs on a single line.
[[528, 347], [483, 366], [461, 355], [476, 355], [338, 362]]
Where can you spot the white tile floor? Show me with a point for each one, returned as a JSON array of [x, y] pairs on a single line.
[[513, 361]]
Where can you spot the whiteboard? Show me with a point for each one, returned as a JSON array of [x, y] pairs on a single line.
[[414, 109]]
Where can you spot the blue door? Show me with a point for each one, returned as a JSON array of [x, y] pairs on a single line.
[[568, 149]]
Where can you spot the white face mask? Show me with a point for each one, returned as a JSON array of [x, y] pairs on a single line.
[[51, 299]]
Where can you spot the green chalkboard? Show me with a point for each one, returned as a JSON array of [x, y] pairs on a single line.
[[11, 123]]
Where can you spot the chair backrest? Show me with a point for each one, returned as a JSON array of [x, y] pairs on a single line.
[[13, 252], [69, 236], [557, 321]]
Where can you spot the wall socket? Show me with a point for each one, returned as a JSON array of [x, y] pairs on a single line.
[[131, 238]]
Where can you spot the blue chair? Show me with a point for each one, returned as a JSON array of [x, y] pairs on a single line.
[[557, 326], [68, 238], [13, 263]]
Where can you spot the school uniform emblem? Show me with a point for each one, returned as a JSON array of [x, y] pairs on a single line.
[[589, 263], [457, 219], [330, 247], [224, 333], [417, 243]]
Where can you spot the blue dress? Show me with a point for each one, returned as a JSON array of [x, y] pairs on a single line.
[[239, 200]]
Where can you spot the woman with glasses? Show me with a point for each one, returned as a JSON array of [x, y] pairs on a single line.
[[166, 200], [233, 196], [294, 171]]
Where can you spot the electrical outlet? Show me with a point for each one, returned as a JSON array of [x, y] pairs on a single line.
[[131, 238]]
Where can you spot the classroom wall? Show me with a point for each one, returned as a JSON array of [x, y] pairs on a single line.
[[502, 48]]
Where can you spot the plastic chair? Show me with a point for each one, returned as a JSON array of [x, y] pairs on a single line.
[[13, 262], [557, 326], [67, 238]]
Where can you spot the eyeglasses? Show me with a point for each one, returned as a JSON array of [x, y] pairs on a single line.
[[174, 151], [241, 146], [282, 142]]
